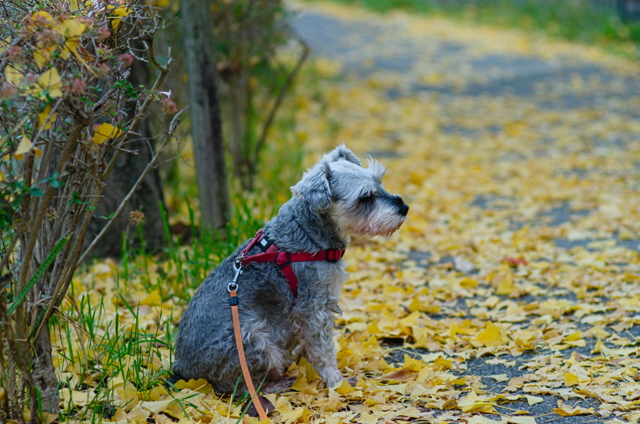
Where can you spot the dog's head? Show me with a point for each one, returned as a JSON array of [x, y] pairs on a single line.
[[353, 196]]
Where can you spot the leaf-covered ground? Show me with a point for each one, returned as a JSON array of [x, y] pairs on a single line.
[[512, 292]]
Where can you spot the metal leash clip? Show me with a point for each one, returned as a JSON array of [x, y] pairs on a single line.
[[233, 284]]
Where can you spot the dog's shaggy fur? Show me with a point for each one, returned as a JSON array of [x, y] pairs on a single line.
[[335, 199]]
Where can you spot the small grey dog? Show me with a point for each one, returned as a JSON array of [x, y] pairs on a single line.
[[335, 199]]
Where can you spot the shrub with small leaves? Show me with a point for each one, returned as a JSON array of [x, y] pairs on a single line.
[[64, 68]]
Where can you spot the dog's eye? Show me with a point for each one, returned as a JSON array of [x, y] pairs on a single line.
[[370, 198]]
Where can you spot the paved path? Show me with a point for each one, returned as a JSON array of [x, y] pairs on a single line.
[[520, 160]]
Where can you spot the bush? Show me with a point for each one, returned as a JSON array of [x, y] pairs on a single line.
[[63, 87]]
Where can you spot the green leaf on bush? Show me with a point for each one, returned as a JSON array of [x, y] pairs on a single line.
[[35, 191], [111, 215]]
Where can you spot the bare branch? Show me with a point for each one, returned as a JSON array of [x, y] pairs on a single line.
[[150, 165], [279, 99]]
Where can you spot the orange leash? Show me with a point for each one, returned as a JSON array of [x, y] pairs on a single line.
[[233, 301]]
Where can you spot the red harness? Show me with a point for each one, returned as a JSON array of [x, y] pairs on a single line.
[[283, 259]]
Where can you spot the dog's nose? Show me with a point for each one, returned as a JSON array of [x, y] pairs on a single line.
[[404, 208]]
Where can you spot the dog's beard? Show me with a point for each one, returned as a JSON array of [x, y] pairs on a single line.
[[382, 222], [385, 225]]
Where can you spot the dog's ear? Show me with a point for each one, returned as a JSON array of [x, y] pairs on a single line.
[[314, 187], [341, 152]]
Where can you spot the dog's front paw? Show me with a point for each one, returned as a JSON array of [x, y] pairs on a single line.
[[330, 376]]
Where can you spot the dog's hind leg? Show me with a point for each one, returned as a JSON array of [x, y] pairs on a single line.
[[263, 351]]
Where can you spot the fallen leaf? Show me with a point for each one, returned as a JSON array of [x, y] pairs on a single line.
[[153, 299], [570, 379], [533, 400], [492, 335], [473, 403], [199, 385], [297, 415], [70, 398], [570, 411]]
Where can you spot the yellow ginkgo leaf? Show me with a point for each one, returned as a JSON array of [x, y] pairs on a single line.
[[570, 411], [155, 394], [570, 379], [410, 319], [13, 75], [298, 414], [412, 364], [504, 283], [104, 132], [344, 387], [49, 83], [157, 406], [70, 397], [118, 13], [533, 400], [116, 382], [42, 55], [42, 18], [153, 299], [373, 328], [128, 397], [473, 403], [24, 147], [43, 122], [492, 335], [71, 30], [1, 180], [300, 383], [199, 385]]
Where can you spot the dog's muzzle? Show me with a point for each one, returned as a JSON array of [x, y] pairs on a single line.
[[403, 208]]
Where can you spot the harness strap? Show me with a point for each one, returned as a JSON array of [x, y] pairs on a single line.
[[283, 259], [233, 301]]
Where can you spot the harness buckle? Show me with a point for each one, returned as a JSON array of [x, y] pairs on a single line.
[[334, 257]]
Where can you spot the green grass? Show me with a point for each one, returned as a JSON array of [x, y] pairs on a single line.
[[98, 354], [576, 20]]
